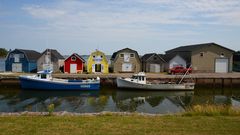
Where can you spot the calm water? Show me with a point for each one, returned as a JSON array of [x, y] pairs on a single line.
[[12, 99]]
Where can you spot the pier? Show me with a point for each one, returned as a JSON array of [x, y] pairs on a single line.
[[215, 80]]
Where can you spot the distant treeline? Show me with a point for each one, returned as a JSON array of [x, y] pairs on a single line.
[[3, 52]]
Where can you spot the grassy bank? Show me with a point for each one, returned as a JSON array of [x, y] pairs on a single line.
[[118, 125]]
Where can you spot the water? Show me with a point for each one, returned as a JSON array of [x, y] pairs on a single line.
[[12, 99]]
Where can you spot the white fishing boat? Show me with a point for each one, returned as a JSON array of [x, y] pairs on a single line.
[[139, 81]]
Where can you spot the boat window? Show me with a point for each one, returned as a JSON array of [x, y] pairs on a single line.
[[43, 76]]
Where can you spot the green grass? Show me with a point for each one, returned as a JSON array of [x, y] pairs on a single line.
[[119, 125]]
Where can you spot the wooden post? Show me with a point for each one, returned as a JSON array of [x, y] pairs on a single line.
[[214, 81], [222, 82]]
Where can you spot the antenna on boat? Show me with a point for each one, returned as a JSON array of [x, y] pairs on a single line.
[[185, 74]]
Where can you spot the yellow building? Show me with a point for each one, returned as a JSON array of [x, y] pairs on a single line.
[[97, 63]]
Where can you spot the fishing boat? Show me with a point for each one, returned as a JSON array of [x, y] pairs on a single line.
[[139, 81], [43, 80]]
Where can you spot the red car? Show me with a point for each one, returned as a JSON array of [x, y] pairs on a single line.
[[179, 70]]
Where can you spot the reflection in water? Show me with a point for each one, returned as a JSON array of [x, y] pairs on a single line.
[[114, 100], [153, 101]]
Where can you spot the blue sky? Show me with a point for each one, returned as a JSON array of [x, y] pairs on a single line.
[[147, 26]]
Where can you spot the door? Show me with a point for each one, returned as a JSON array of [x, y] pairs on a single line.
[[126, 67], [155, 68], [17, 67], [73, 68], [98, 68], [221, 65]]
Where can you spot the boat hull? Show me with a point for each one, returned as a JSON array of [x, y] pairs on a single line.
[[30, 83], [121, 83]]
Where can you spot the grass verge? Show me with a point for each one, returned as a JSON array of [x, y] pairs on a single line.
[[119, 125]]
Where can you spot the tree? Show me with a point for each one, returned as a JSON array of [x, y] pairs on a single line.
[[3, 52]]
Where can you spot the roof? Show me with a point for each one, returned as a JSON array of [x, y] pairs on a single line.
[[185, 55], [191, 48], [123, 50], [30, 54], [145, 57], [76, 56], [54, 53]]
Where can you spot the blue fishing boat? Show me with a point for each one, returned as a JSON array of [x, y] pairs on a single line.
[[44, 81]]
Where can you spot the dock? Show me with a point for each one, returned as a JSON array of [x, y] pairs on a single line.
[[215, 80]]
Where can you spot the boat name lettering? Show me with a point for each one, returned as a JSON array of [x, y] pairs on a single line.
[[85, 86]]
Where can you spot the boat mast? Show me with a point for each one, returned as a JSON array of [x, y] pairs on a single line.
[[185, 74]]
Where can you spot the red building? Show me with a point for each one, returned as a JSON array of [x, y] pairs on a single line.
[[74, 64]]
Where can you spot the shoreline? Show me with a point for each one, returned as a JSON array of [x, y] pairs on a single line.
[[66, 113], [214, 80]]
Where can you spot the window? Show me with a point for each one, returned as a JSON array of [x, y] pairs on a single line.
[[155, 58], [131, 55], [73, 58], [201, 54], [94, 56], [21, 56], [121, 55], [222, 55]]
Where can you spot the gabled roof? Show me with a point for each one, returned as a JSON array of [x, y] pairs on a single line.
[[123, 50], [54, 53], [30, 54], [191, 48], [185, 55], [145, 57], [78, 56]]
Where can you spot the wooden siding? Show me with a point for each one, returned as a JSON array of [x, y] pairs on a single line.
[[152, 60], [103, 61], [206, 63], [69, 61], [27, 66], [119, 61]]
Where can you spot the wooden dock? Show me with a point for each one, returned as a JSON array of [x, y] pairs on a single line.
[[201, 79]]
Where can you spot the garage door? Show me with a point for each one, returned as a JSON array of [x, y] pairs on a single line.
[[221, 66], [126, 67], [154, 68], [73, 68], [17, 67]]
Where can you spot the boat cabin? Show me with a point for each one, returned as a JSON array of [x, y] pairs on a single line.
[[139, 78], [44, 75]]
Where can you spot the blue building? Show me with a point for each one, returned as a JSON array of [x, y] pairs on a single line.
[[20, 60]]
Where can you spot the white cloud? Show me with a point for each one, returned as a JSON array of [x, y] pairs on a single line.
[[132, 21], [44, 13]]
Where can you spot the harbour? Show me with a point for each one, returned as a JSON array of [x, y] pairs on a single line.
[[213, 80], [111, 99]]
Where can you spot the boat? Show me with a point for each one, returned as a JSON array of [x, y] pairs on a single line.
[[43, 80], [139, 81]]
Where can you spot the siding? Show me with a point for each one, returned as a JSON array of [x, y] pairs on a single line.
[[206, 63], [68, 61], [177, 60], [117, 66]]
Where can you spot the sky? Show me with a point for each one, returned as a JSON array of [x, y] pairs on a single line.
[[147, 26]]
